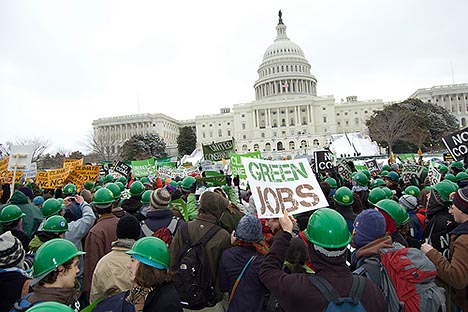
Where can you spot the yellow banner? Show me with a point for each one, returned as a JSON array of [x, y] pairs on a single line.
[[72, 163], [42, 179], [4, 173], [81, 174], [57, 177]]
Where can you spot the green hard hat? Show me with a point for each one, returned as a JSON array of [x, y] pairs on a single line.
[[50, 306], [332, 182], [146, 197], [88, 185], [412, 190], [392, 175], [51, 207], [52, 254], [443, 168], [450, 177], [122, 180], [461, 176], [383, 173], [327, 228], [108, 178], [360, 179], [344, 196], [151, 251], [120, 185], [187, 183], [11, 213], [144, 180], [376, 183], [394, 210], [55, 224], [102, 180], [367, 173], [69, 189], [173, 183], [115, 189], [386, 168], [376, 195], [388, 192], [458, 165], [103, 197], [97, 188], [444, 189], [137, 188]]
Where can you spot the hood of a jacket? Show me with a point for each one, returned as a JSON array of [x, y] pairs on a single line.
[[461, 229], [19, 198]]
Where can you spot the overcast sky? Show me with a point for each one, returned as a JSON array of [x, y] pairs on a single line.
[[65, 63]]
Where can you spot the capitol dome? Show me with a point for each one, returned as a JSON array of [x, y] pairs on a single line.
[[284, 69]]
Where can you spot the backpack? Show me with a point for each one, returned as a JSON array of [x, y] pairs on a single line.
[[337, 303], [194, 280], [166, 233], [115, 303], [23, 304], [409, 273]]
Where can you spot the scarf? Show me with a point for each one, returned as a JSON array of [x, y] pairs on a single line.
[[137, 297], [260, 247], [67, 296]]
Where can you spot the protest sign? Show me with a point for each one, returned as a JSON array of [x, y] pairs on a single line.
[[8, 175], [236, 165], [279, 185], [447, 157], [323, 161], [122, 168], [433, 176], [344, 170], [457, 144], [144, 168], [411, 171], [72, 163], [218, 151], [31, 172], [167, 162], [180, 205], [42, 179], [372, 166], [81, 174], [57, 177]]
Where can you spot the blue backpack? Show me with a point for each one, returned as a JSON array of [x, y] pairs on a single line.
[[23, 304], [115, 303], [337, 303]]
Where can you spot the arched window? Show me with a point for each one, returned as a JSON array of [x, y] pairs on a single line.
[[303, 144], [316, 143], [256, 147], [267, 147], [279, 146], [244, 147], [291, 145], [463, 122]]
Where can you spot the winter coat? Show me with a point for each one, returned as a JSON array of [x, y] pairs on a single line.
[[250, 291], [415, 226], [156, 219], [439, 225], [98, 244], [304, 296], [111, 271], [454, 271], [33, 215], [132, 205], [214, 247], [14, 284], [163, 298]]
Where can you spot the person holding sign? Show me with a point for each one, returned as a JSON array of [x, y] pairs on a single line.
[[328, 237]]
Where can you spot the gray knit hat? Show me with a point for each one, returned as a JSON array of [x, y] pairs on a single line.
[[11, 251], [249, 229], [160, 199], [408, 202]]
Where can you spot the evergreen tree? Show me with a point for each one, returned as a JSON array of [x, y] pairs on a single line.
[[143, 146], [186, 141]]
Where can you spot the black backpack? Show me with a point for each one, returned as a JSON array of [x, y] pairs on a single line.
[[194, 280]]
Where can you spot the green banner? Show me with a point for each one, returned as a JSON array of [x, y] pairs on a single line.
[[166, 162], [404, 157], [218, 151], [180, 205], [144, 168], [236, 164]]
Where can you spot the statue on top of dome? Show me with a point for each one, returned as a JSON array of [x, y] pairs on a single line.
[[280, 14]]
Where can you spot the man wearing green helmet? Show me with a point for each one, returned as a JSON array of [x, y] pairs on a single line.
[[54, 227], [72, 211], [395, 217], [55, 268], [392, 179], [327, 237], [360, 188], [344, 201], [133, 204], [11, 219]]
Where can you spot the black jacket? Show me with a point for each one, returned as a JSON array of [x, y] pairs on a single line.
[[163, 298]]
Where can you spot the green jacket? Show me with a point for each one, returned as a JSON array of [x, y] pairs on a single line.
[[33, 215], [192, 210], [35, 243]]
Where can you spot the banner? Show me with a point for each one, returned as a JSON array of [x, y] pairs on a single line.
[[323, 161], [57, 177], [122, 168], [144, 168], [236, 164], [344, 170], [411, 171], [167, 162], [456, 144], [279, 185], [447, 157], [433, 176], [72, 163], [180, 205], [218, 151], [372, 166], [4, 173], [42, 179], [31, 172], [81, 174]]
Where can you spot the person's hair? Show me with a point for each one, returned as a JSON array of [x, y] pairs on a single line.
[[148, 276], [52, 276], [423, 198], [103, 210], [10, 225], [296, 255], [325, 188]]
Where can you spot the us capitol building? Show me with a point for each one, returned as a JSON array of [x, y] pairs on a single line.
[[287, 117]]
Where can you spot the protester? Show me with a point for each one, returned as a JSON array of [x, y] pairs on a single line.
[[343, 204], [72, 211], [11, 219], [111, 274], [38, 201], [328, 236], [360, 187], [454, 271], [133, 204], [243, 262], [14, 280], [395, 217], [54, 227], [410, 203]]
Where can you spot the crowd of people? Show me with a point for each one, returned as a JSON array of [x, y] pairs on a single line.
[[155, 244]]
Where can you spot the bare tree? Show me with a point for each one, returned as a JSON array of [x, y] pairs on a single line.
[[40, 146], [102, 145], [391, 125]]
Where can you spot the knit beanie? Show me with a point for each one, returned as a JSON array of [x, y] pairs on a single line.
[[249, 229], [369, 226], [27, 191], [11, 251], [160, 199], [128, 227], [38, 200], [460, 200], [408, 202]]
